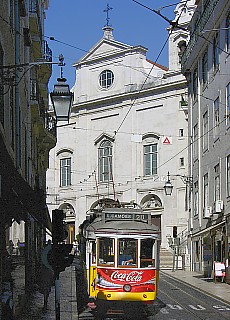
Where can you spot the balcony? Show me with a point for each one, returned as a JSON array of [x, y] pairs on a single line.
[[35, 26], [45, 70], [34, 17], [44, 123], [197, 32]]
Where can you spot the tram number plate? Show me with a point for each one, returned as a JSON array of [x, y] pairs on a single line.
[[141, 217], [127, 216]]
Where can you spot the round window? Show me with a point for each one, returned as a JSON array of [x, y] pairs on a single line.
[[106, 79]]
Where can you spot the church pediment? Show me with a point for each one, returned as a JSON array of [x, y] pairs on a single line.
[[104, 47]]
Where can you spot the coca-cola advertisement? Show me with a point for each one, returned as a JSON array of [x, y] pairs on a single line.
[[114, 279]]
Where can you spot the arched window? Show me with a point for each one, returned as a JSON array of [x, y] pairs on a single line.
[[150, 159], [65, 172], [65, 157], [105, 161], [150, 152]]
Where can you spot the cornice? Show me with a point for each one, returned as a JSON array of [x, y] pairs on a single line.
[[121, 97]]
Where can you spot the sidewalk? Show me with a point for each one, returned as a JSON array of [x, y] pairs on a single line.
[[219, 290], [33, 309]]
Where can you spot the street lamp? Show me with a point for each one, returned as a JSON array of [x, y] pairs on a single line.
[[188, 181], [168, 187], [61, 96], [62, 100]]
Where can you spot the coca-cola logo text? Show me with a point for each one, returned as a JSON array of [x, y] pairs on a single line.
[[134, 276]]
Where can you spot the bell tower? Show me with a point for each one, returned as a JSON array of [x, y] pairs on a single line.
[[179, 35]]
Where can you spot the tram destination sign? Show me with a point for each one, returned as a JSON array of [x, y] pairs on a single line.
[[126, 216]]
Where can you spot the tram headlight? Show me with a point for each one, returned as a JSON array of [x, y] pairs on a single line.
[[127, 288]]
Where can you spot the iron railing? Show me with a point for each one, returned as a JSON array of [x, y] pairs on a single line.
[[47, 52]]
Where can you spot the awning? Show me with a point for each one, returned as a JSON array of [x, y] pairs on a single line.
[[17, 198], [199, 233]]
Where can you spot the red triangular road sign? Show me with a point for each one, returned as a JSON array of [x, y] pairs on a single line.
[[166, 141]]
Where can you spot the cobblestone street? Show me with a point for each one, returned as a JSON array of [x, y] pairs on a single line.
[[33, 309]]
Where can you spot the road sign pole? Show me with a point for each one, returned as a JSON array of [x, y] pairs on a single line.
[[174, 253], [57, 296]]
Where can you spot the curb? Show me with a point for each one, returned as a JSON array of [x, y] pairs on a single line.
[[73, 294], [202, 290]]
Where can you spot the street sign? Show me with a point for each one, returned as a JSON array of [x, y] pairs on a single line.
[[44, 256], [167, 140]]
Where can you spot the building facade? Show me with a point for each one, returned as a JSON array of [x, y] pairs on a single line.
[[206, 62], [27, 134], [128, 128]]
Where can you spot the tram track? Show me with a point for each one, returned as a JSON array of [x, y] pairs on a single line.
[[177, 300], [193, 298]]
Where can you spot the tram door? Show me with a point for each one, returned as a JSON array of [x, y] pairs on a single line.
[[92, 269]]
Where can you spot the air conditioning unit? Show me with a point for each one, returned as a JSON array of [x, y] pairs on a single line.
[[207, 212], [219, 205]]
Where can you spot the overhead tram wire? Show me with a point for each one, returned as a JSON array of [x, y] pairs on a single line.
[[170, 5], [141, 177], [132, 104], [66, 44], [192, 142], [173, 24]]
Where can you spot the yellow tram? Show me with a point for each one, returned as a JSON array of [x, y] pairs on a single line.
[[122, 257]]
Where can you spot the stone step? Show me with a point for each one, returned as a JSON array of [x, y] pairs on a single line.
[[166, 259]]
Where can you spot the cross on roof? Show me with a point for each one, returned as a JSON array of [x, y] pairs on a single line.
[[107, 16]]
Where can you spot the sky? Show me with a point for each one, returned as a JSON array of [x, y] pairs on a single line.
[[76, 26]]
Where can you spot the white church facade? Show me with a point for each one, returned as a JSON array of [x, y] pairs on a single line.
[[127, 130]]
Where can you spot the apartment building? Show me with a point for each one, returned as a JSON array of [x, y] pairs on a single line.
[[206, 63], [27, 133]]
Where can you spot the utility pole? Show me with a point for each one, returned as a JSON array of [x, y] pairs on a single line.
[[60, 256]]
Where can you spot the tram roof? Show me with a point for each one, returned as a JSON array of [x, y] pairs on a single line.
[[123, 222]]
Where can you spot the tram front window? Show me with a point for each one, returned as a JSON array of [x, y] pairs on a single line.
[[148, 251], [127, 252], [106, 251]]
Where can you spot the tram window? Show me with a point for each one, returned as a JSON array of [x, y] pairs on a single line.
[[127, 252], [93, 252], [106, 251], [147, 253]]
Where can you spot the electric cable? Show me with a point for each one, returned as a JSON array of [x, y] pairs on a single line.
[[67, 44], [204, 97], [174, 24]]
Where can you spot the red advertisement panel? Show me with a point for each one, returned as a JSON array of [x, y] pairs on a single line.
[[114, 279]]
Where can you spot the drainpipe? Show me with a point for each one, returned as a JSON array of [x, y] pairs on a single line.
[[17, 97], [200, 173]]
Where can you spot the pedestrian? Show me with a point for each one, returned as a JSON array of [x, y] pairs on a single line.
[[46, 276], [125, 258], [11, 247], [75, 247], [18, 247]]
